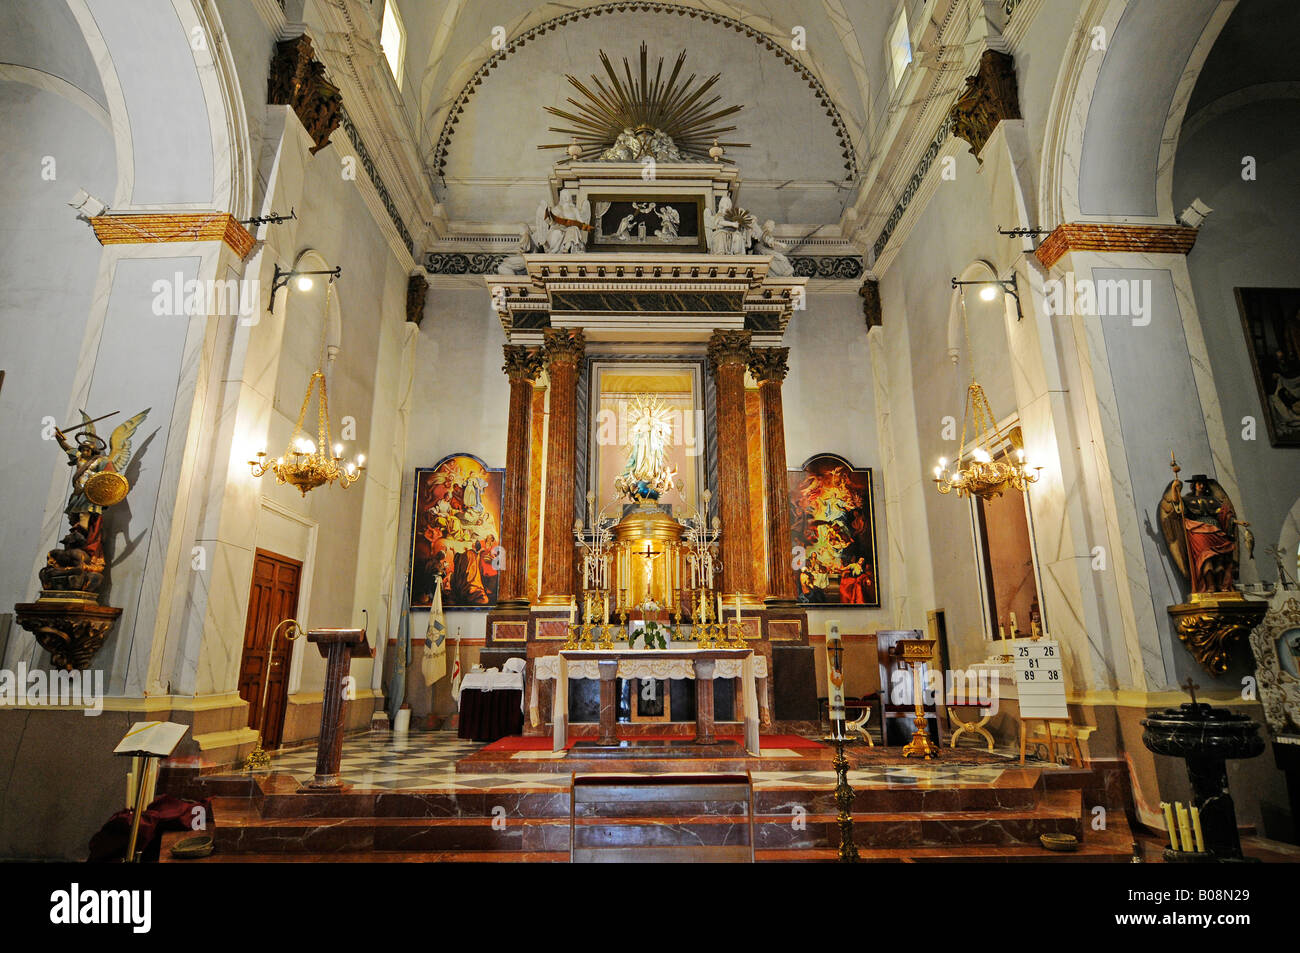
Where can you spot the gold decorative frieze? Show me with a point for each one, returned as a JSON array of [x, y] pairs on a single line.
[[153, 227]]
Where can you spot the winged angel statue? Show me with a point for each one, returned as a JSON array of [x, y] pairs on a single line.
[[1200, 527], [97, 481]]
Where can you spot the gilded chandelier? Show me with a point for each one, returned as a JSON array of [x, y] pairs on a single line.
[[981, 475], [306, 464]]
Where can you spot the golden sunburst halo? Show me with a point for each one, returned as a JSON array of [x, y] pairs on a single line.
[[643, 106]]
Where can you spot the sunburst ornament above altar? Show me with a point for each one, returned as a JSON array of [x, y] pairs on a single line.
[[635, 117]]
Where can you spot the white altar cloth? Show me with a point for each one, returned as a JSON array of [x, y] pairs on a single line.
[[675, 662]]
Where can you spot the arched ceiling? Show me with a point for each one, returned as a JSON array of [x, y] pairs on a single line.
[[481, 112]]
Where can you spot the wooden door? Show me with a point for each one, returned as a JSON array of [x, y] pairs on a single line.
[[272, 598]]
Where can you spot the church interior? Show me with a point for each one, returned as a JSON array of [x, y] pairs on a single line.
[[722, 431]]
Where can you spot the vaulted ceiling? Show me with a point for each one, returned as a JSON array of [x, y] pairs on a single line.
[[479, 72]]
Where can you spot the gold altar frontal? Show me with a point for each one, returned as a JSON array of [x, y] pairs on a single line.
[[649, 558]]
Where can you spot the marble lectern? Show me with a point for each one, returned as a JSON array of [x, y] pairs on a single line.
[[338, 647]]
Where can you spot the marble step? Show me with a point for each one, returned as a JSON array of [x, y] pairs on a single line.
[[279, 796], [248, 832], [1059, 812]]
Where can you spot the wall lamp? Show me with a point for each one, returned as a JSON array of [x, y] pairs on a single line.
[[989, 290], [282, 277]]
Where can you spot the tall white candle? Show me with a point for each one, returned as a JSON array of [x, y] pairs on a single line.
[[737, 610], [719, 615], [1168, 810], [1184, 827]]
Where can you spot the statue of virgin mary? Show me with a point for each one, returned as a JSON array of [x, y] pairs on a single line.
[[647, 472]]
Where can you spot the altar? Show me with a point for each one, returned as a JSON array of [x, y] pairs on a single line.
[[689, 661]]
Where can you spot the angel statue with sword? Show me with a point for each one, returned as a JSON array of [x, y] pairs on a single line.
[[97, 480]]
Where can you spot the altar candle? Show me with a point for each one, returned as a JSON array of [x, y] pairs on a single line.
[[1014, 627], [718, 618], [1169, 824], [573, 608], [1002, 632], [737, 610], [1196, 828], [1184, 827], [606, 607]]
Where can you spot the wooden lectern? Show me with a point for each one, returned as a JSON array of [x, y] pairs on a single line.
[[338, 647]]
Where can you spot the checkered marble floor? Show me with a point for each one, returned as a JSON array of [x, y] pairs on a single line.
[[420, 761], [427, 761]]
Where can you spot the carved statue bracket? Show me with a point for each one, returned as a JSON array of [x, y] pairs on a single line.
[[1213, 623], [990, 97], [297, 79]]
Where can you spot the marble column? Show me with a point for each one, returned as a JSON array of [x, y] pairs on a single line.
[[728, 356], [704, 724], [608, 669], [563, 351], [768, 366], [521, 366]]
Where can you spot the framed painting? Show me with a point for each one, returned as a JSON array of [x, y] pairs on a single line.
[[456, 533], [833, 530], [647, 223], [1270, 318]]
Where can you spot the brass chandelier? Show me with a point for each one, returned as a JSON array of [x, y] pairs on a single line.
[[306, 464], [982, 475]]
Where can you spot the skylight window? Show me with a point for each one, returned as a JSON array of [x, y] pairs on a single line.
[[392, 39], [900, 47]]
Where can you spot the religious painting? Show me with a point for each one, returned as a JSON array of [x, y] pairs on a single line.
[[456, 533], [646, 223], [1271, 319], [832, 527]]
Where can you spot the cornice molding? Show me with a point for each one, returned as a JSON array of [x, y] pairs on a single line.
[[173, 227], [1106, 237]]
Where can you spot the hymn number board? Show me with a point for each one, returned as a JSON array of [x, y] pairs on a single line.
[[1039, 678]]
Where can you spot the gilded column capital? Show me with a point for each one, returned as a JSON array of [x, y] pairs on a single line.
[[522, 363], [729, 347], [769, 363], [563, 345]]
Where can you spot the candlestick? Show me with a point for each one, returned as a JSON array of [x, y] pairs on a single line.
[[1169, 824], [1184, 827]]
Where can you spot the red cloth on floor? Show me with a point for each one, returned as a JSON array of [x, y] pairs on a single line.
[[166, 813]]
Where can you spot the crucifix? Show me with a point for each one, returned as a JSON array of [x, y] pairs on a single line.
[[1190, 687]]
